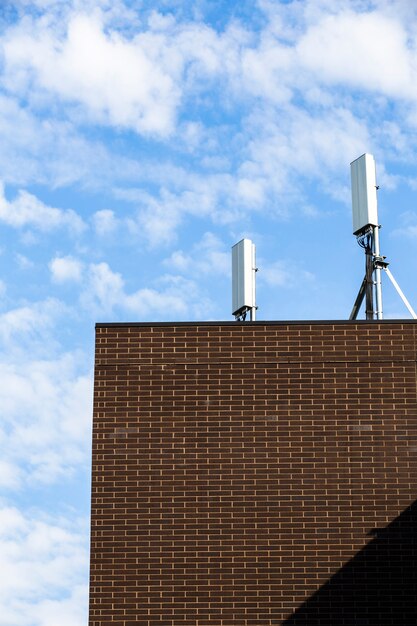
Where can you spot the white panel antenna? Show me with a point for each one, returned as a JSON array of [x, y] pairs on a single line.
[[243, 280], [364, 188], [366, 228]]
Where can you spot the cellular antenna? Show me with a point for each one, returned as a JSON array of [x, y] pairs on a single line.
[[243, 280], [366, 229]]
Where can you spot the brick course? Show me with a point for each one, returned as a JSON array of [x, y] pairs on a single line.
[[244, 471]]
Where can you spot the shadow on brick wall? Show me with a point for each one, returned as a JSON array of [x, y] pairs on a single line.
[[377, 587]]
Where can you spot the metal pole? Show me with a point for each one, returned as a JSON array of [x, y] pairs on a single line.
[[369, 269], [400, 293], [378, 287]]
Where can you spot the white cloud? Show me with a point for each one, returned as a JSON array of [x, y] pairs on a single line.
[[408, 226], [104, 289], [271, 110], [46, 418], [105, 222], [70, 610], [46, 559], [105, 293], [265, 70], [158, 218], [219, 197], [159, 221], [283, 273], [45, 399], [118, 81], [57, 153], [28, 211], [128, 81], [288, 147], [208, 256], [11, 475], [409, 231], [24, 262], [367, 50], [30, 326], [66, 269], [169, 301]]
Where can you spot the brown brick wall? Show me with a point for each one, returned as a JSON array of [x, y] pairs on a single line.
[[256, 473]]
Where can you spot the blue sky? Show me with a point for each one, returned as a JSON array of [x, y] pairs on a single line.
[[139, 141]]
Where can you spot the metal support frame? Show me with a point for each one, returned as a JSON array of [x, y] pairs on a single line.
[[400, 293], [366, 228], [370, 243], [358, 301], [241, 316], [371, 286]]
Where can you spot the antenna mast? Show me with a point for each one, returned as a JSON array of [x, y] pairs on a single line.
[[243, 280], [366, 228]]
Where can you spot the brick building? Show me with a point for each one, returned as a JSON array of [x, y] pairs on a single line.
[[255, 473]]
